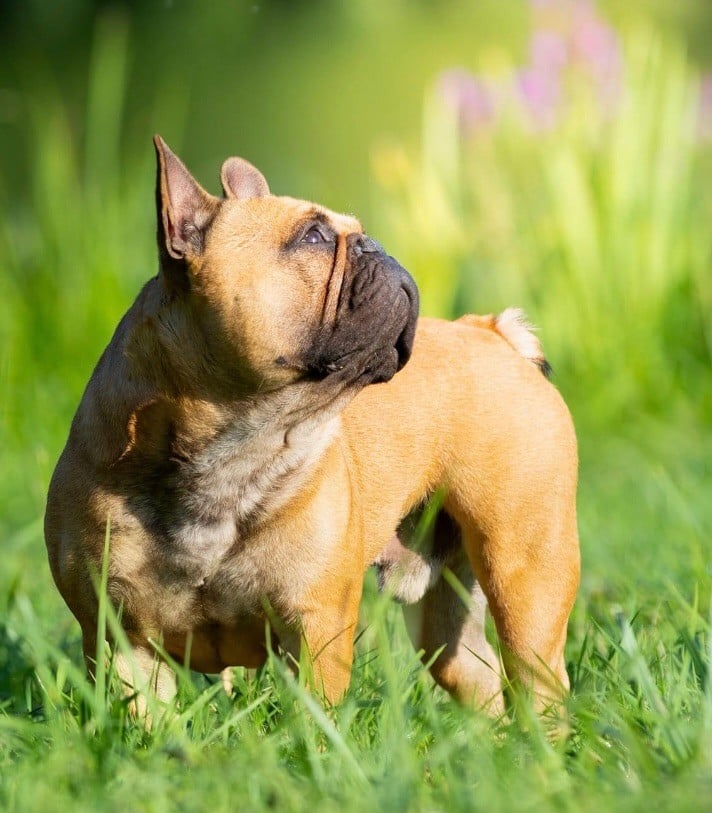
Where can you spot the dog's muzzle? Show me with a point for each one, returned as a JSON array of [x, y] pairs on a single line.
[[371, 337]]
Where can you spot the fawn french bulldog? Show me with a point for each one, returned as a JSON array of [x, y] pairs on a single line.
[[267, 414]]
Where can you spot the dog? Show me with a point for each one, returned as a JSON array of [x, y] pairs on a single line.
[[265, 417]]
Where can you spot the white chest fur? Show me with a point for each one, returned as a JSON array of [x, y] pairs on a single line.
[[246, 473]]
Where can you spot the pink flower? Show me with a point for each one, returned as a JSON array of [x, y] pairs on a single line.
[[548, 50], [597, 48], [469, 97], [705, 108], [594, 42], [540, 93]]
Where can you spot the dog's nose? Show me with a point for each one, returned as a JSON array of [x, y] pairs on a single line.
[[363, 244]]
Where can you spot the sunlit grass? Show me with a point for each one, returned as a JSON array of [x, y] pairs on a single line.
[[639, 723]]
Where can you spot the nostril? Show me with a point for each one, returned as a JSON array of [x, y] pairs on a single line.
[[368, 244], [363, 244], [355, 244]]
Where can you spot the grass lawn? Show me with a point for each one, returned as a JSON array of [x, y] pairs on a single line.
[[640, 714]]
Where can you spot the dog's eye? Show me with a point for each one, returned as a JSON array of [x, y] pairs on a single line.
[[314, 236]]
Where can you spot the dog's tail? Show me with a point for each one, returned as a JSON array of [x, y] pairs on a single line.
[[514, 327]]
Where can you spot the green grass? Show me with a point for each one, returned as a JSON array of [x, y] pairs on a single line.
[[636, 372], [640, 715]]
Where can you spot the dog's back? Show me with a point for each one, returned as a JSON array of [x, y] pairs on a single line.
[[514, 327]]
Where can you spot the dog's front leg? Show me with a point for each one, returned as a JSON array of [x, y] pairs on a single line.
[[143, 673], [144, 677], [325, 641]]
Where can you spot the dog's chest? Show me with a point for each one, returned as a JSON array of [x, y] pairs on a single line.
[[218, 553], [212, 573]]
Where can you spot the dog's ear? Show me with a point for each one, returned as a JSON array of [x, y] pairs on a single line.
[[184, 208], [241, 180]]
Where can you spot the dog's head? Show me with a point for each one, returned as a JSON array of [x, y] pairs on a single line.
[[281, 289]]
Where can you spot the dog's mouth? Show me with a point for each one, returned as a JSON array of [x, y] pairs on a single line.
[[389, 359], [371, 345], [404, 342], [371, 336]]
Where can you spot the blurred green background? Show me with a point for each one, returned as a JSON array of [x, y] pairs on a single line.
[[304, 89], [551, 155]]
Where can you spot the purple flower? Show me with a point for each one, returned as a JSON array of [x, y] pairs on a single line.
[[540, 92], [594, 42], [570, 40], [597, 48], [548, 50], [469, 97], [705, 108]]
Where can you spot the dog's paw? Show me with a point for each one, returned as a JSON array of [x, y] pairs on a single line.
[[404, 573]]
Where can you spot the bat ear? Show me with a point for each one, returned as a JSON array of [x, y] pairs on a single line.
[[184, 209], [241, 180]]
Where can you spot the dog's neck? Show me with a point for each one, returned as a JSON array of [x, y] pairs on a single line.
[[225, 468], [221, 464], [255, 462]]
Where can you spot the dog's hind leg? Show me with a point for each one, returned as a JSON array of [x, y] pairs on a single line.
[[530, 588], [449, 626], [444, 607]]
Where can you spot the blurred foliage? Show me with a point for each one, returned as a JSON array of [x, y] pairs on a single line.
[[574, 186], [300, 89], [303, 89]]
